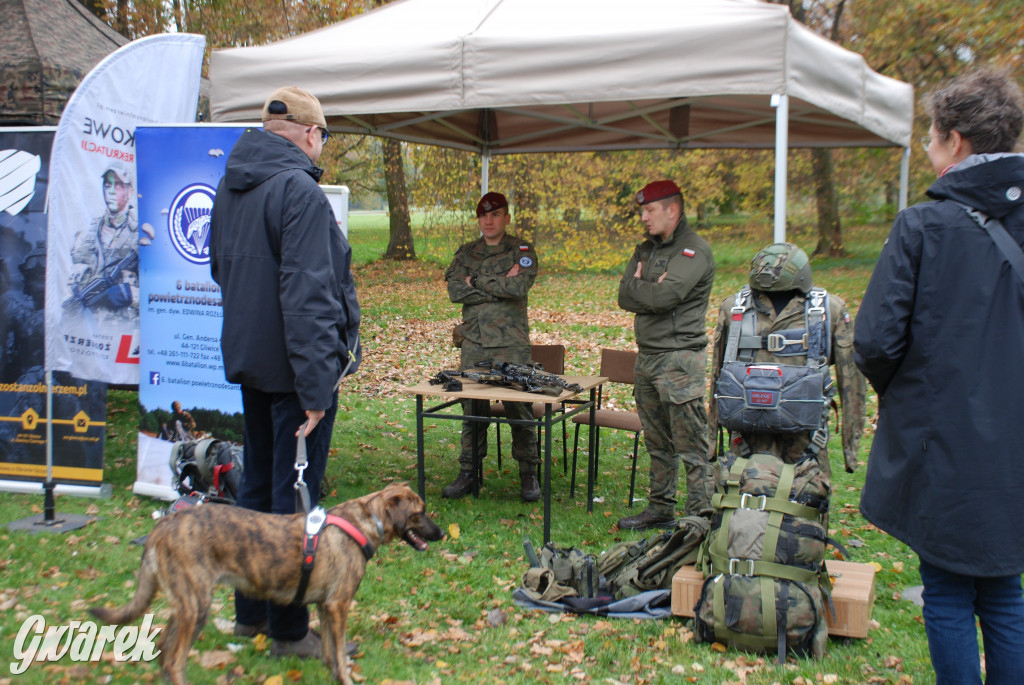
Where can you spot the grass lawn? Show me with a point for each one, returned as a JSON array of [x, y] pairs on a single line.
[[446, 615]]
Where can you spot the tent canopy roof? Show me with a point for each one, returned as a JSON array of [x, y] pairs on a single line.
[[510, 76], [48, 48]]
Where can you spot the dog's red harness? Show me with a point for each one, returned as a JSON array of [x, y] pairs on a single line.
[[315, 522]]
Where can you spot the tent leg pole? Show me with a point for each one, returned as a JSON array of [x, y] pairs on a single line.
[[781, 104], [485, 172], [904, 178]]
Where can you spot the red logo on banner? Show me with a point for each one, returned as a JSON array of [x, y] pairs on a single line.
[[128, 350]]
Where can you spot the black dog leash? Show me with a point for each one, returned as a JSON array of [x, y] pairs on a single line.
[[302, 500], [315, 522]]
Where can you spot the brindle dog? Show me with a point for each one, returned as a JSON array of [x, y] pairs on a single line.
[[261, 554]]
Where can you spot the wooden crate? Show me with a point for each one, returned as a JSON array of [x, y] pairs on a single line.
[[686, 585], [853, 594]]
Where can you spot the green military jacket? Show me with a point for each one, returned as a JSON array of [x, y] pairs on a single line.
[[670, 314], [849, 380], [494, 307]]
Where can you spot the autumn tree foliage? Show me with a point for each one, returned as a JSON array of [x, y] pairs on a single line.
[[578, 207]]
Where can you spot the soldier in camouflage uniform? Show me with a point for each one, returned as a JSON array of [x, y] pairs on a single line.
[[490, 277], [667, 284], [780, 278], [109, 239]]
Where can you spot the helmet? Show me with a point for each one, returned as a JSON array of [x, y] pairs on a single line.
[[780, 267], [34, 260]]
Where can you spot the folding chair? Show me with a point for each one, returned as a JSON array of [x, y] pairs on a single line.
[[552, 359], [618, 366]]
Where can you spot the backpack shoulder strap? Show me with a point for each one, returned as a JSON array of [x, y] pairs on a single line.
[[1001, 237], [742, 324], [819, 336]]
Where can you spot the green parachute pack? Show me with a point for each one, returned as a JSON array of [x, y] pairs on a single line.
[[766, 587]]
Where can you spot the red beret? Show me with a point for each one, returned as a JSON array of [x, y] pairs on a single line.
[[658, 190], [491, 202]]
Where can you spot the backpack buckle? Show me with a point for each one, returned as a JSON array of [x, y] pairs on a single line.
[[733, 563], [746, 496]]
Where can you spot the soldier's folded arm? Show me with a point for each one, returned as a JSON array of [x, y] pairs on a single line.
[[507, 288], [660, 296]]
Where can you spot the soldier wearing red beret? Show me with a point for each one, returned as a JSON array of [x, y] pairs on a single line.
[[667, 285]]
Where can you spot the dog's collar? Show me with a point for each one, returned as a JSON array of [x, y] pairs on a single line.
[[315, 522]]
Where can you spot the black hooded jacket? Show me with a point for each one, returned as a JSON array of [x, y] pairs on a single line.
[[291, 318], [939, 335]]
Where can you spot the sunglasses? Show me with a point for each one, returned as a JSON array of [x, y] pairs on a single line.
[[324, 135]]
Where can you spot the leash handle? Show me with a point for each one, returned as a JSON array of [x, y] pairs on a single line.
[[302, 502]]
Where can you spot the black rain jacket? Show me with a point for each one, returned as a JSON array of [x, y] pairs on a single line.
[[940, 336], [291, 318]]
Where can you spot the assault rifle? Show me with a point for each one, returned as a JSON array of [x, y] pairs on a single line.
[[530, 376], [109, 277], [525, 377]]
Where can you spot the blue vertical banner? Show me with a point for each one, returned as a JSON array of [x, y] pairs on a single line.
[[79, 407], [182, 391]]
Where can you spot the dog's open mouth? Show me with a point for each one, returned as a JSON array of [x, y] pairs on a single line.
[[415, 541]]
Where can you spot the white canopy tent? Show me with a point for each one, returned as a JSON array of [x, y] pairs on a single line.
[[517, 76]]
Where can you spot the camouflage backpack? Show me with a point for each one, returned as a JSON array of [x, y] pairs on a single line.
[[210, 467], [637, 566], [765, 586], [562, 572]]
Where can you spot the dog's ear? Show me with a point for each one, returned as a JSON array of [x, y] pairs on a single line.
[[399, 507]]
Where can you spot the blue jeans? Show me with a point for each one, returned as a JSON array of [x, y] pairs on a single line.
[[951, 602], [268, 485]]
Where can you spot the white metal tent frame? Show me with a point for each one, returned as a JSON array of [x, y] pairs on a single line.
[[527, 76]]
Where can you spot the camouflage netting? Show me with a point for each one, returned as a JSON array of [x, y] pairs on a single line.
[[48, 47]]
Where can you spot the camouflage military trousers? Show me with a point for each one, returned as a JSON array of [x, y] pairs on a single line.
[[669, 392], [524, 438]]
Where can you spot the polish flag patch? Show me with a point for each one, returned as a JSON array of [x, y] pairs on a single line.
[[524, 248], [688, 252]]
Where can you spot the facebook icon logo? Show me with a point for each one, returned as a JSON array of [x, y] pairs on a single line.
[[154, 378]]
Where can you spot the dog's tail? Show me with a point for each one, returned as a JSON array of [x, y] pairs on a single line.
[[144, 593]]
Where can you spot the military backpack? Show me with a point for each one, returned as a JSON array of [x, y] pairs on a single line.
[[765, 586], [636, 566], [210, 467], [765, 397]]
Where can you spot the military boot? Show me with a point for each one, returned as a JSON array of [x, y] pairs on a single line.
[[461, 486], [530, 487], [646, 520]]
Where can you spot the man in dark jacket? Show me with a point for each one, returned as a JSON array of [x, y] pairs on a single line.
[[667, 284], [291, 322], [938, 335]]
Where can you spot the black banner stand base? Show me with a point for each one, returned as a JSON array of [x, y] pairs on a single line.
[[48, 521]]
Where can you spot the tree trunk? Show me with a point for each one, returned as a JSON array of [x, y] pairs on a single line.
[[830, 237], [400, 246]]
